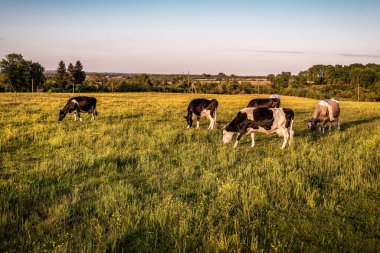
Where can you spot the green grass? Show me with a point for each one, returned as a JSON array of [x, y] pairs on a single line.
[[136, 179]]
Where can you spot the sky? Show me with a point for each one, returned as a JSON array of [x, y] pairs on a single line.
[[174, 36]]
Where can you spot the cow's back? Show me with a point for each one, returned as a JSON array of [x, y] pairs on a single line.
[[84, 103], [264, 103], [199, 104]]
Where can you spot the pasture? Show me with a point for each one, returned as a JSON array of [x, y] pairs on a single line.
[[136, 179]]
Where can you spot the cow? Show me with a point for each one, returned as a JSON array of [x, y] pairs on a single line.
[[264, 103], [274, 96], [77, 105], [327, 111], [202, 107], [264, 120]]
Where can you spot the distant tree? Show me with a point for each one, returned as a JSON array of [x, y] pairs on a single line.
[[71, 73], [79, 74], [271, 78], [37, 74], [17, 71], [221, 75], [283, 79], [61, 77], [367, 78], [3, 82]]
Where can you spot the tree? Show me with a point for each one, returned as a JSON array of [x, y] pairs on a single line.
[[283, 79], [37, 74], [79, 74], [220, 76], [17, 71], [271, 78], [71, 73], [61, 76]]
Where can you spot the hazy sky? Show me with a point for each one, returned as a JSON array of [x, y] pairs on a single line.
[[175, 36]]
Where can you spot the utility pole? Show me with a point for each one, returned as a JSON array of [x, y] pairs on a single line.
[[358, 92], [188, 78], [32, 84], [358, 80]]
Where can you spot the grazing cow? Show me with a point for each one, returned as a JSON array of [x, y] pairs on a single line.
[[274, 96], [77, 105], [327, 111], [264, 103], [202, 107], [264, 120]]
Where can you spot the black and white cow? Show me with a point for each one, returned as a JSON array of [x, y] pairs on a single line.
[[202, 107], [264, 120], [327, 111], [264, 103], [77, 105]]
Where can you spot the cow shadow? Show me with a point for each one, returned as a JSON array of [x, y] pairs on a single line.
[[316, 135], [306, 133], [346, 125]]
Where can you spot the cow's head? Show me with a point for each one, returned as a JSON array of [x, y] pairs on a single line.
[[311, 124], [227, 135], [62, 114]]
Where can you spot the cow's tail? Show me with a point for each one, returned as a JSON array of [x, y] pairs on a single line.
[[96, 112]]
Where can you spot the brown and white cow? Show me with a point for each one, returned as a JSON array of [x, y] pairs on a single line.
[[77, 105], [327, 111], [274, 96], [264, 120], [264, 103], [202, 107]]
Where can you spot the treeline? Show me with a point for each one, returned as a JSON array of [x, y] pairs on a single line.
[[320, 81], [352, 82], [18, 74], [70, 79]]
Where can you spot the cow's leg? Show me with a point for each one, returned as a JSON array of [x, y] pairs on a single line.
[[189, 119], [253, 139], [338, 124], [80, 119], [238, 139], [75, 116], [323, 126], [198, 118], [330, 123], [211, 123], [286, 137], [92, 114]]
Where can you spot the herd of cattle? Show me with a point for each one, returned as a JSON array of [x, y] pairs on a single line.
[[261, 115]]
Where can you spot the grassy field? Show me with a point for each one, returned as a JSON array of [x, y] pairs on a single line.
[[136, 179]]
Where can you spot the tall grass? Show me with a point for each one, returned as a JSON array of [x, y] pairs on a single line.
[[136, 180]]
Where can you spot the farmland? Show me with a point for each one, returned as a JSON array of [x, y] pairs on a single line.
[[136, 179]]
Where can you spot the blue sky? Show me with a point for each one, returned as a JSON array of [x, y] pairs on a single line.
[[239, 37]]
